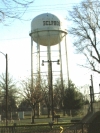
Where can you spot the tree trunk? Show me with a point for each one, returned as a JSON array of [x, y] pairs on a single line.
[[32, 119], [48, 112], [64, 112], [33, 116]]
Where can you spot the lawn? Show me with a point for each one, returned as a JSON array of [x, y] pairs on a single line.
[[39, 120]]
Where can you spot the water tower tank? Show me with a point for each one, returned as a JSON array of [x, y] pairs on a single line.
[[47, 29]]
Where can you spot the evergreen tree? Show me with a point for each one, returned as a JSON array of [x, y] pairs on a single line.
[[12, 94], [73, 99]]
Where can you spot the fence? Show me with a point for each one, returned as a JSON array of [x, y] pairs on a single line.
[[53, 128]]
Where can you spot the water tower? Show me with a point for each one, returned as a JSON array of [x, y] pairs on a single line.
[[48, 44]]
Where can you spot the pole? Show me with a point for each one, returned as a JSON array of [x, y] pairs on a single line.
[[6, 56], [92, 88], [91, 98], [6, 90], [50, 84], [51, 90]]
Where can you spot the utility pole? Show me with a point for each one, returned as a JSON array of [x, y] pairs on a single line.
[[6, 56], [91, 94], [50, 85], [91, 97], [6, 90], [92, 88]]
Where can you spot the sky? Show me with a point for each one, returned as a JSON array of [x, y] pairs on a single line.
[[16, 42]]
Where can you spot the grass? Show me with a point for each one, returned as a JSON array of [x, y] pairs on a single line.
[[42, 119]]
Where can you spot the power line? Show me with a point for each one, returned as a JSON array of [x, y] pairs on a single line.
[[39, 7], [43, 7]]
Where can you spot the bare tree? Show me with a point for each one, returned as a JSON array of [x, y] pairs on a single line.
[[33, 95], [85, 29], [13, 8], [46, 98]]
